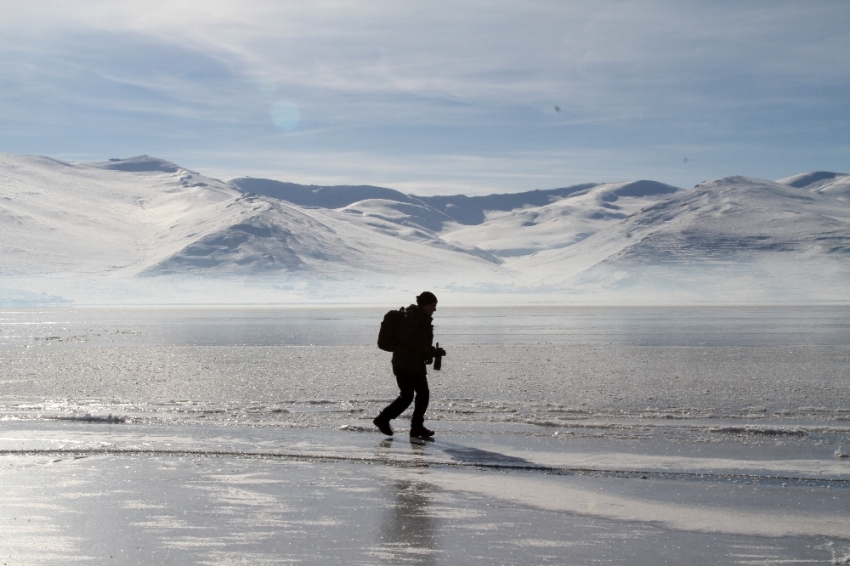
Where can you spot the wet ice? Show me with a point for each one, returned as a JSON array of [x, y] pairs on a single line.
[[565, 435]]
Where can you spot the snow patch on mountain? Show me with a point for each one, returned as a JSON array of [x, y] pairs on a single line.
[[835, 185], [399, 213], [472, 210], [562, 223], [139, 164], [412, 222], [758, 233], [317, 195]]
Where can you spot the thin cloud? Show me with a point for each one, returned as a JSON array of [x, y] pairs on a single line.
[[438, 79]]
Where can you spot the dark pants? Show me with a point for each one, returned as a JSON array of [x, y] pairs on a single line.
[[409, 383]]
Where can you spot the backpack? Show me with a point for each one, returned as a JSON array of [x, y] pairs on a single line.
[[390, 328]]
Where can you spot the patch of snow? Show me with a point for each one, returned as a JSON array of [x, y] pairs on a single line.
[[139, 164], [835, 185], [562, 223]]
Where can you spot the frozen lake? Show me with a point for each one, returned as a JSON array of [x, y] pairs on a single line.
[[564, 435], [239, 326]]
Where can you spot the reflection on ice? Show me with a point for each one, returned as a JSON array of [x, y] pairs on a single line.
[[408, 531]]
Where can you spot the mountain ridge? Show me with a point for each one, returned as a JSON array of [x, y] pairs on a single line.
[[144, 223], [710, 230], [836, 185]]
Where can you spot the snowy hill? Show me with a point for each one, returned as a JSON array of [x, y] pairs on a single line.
[[62, 217], [768, 237], [503, 224], [561, 223], [147, 216], [318, 196], [473, 210], [431, 213], [143, 229], [836, 185], [273, 236]]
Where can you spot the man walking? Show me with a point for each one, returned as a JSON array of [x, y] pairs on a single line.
[[413, 352]]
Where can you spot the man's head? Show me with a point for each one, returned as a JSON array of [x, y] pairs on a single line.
[[427, 301]]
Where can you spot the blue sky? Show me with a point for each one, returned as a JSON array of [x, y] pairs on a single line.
[[434, 97]]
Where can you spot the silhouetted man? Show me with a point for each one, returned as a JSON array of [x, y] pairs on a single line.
[[413, 352]]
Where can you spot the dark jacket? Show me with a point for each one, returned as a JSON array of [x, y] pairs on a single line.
[[415, 341]]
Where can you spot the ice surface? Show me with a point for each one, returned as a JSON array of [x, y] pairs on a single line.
[[633, 436], [198, 495]]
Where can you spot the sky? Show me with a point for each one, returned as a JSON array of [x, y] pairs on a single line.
[[433, 97]]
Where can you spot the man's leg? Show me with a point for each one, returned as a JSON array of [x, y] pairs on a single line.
[[423, 395], [405, 398]]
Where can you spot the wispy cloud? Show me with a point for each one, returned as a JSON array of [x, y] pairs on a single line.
[[390, 81]]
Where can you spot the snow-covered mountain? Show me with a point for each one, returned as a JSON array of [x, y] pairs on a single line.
[[836, 185], [122, 215], [504, 224], [562, 223], [741, 236], [435, 214], [145, 216], [150, 228]]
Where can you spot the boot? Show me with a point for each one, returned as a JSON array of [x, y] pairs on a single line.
[[383, 425], [421, 432]]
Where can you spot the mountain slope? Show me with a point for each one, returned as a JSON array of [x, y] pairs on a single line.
[[151, 228], [701, 233], [147, 216], [88, 218], [561, 223], [315, 195], [277, 237], [433, 211], [836, 185], [473, 210], [503, 224]]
